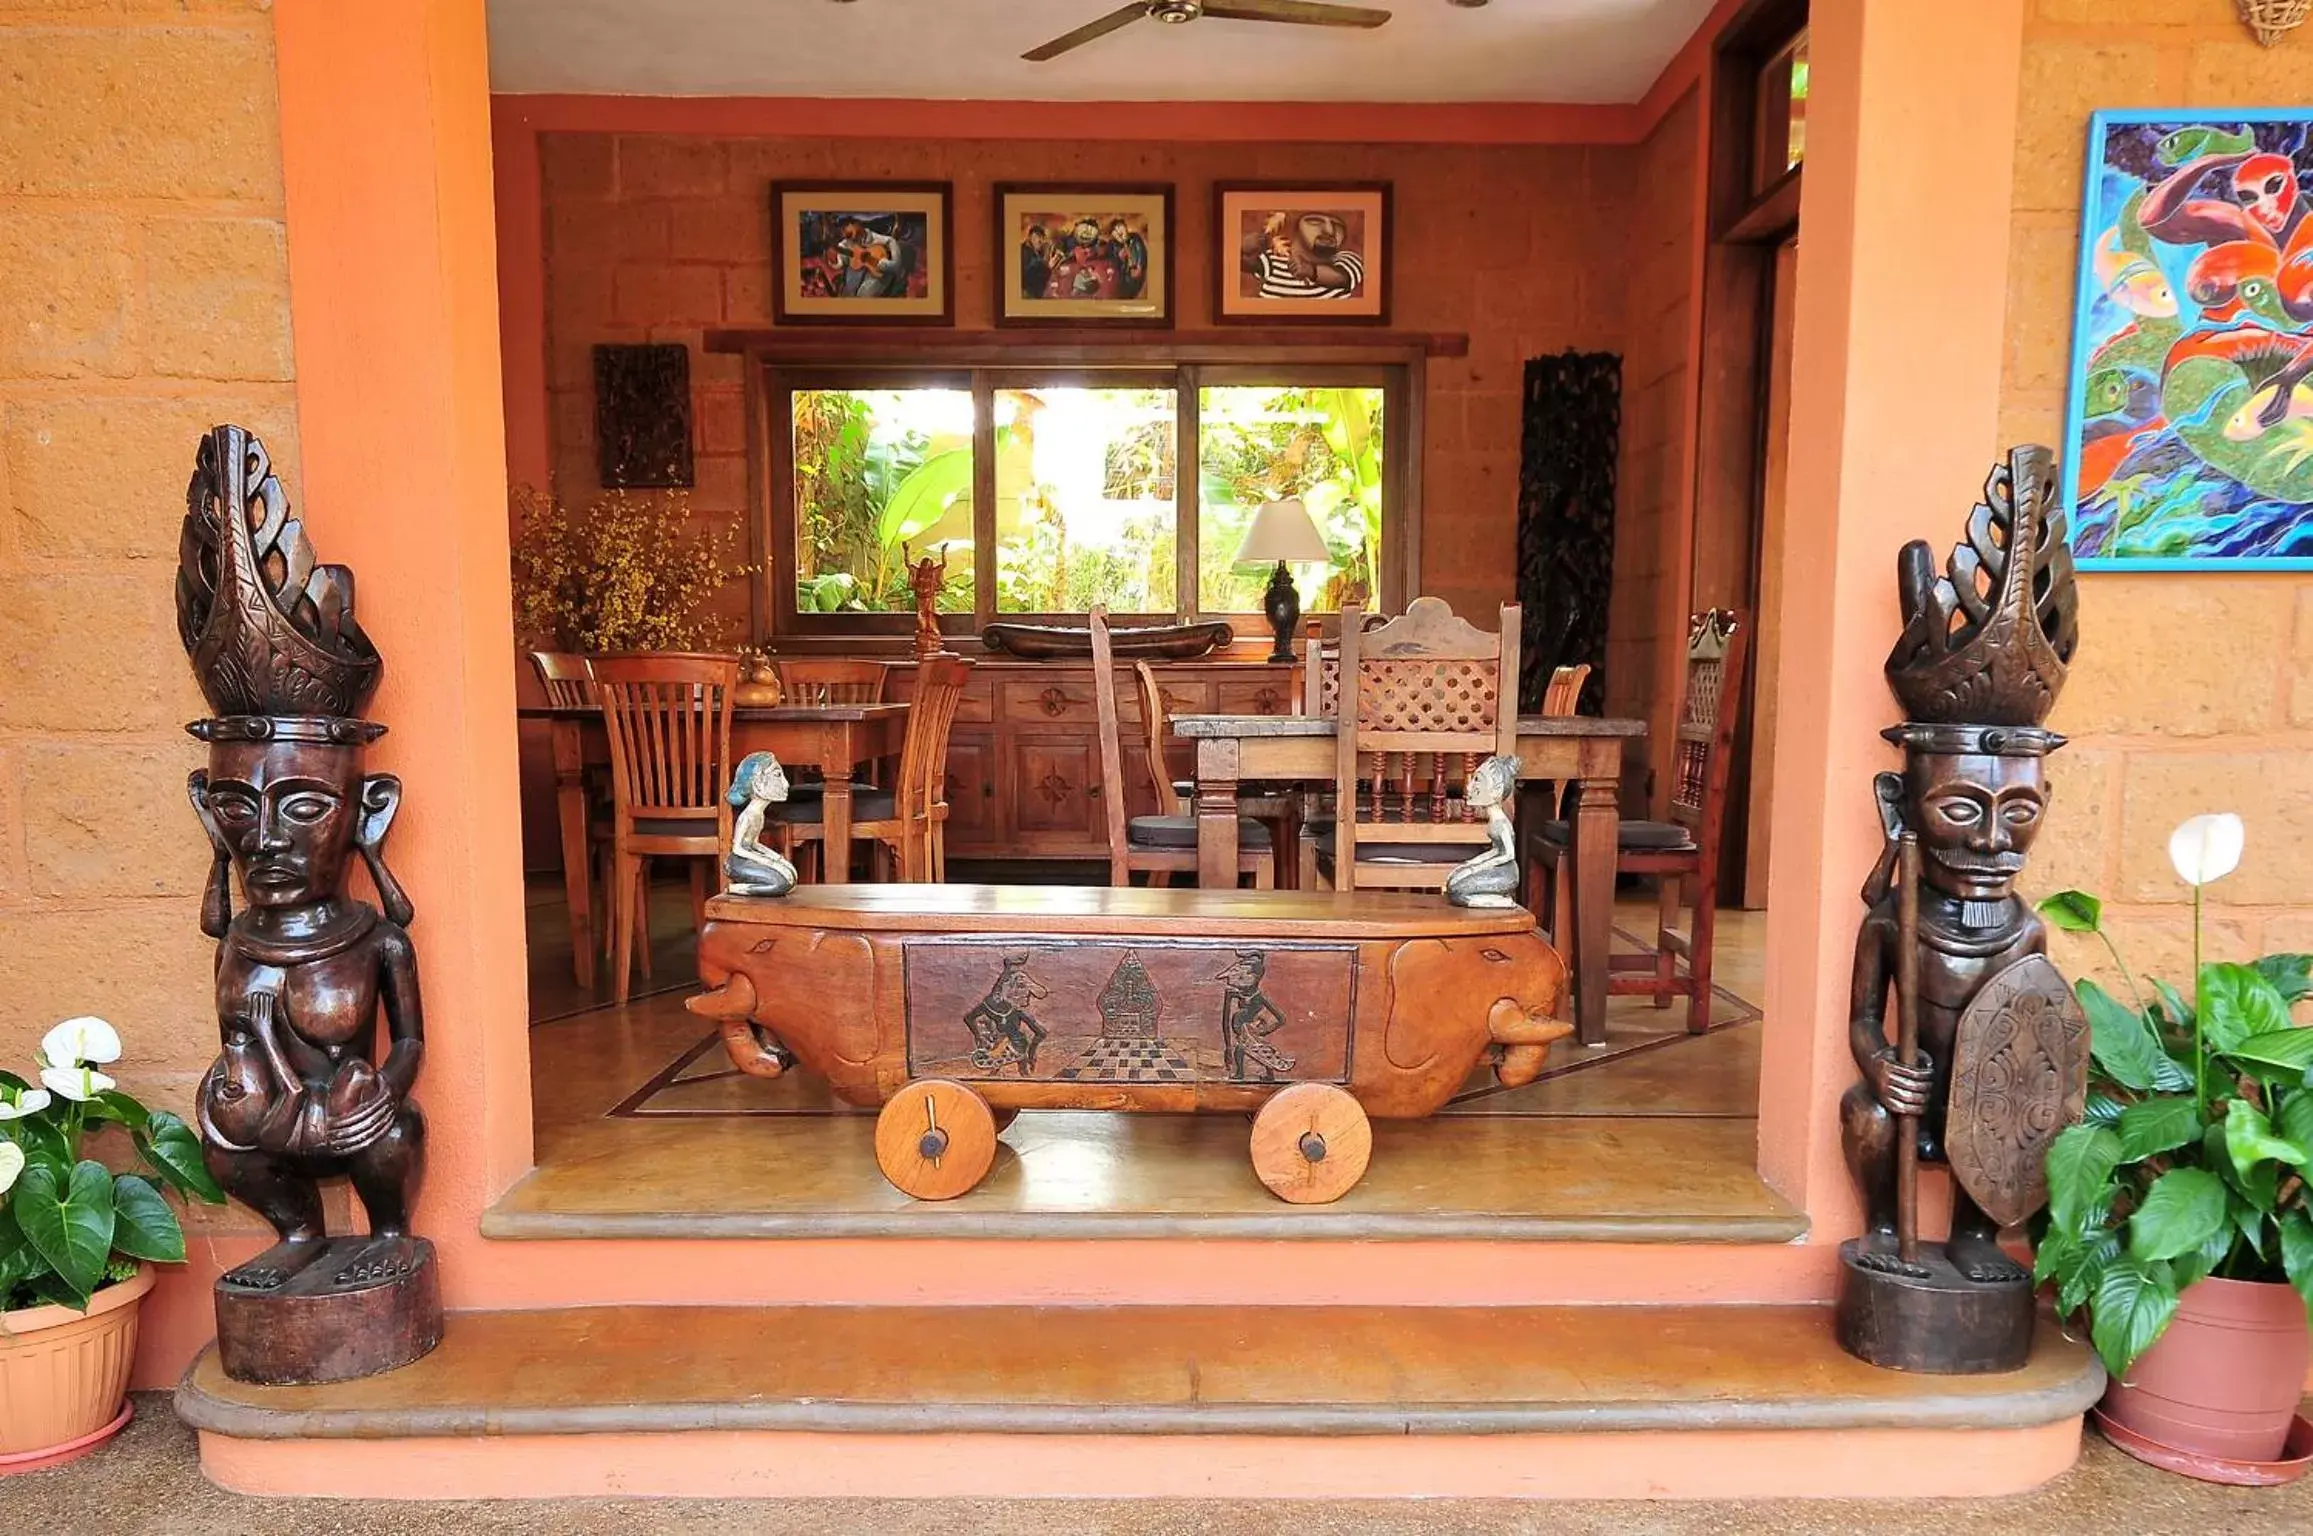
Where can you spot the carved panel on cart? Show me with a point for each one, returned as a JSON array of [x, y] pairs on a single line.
[[1146, 1012]]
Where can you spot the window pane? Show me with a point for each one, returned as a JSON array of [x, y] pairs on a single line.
[[1258, 443], [1084, 500], [880, 475]]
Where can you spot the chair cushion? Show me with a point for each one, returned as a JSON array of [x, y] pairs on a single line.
[[1181, 832], [675, 826], [871, 805], [1403, 853], [1647, 836]]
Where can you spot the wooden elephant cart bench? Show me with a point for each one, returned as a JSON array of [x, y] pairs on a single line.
[[955, 1006]]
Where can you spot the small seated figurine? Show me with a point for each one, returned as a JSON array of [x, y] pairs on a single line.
[[751, 868], [1489, 879]]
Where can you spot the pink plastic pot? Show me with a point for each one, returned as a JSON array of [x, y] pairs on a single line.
[[2225, 1379]]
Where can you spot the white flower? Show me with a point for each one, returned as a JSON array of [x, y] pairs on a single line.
[[11, 1164], [79, 1084], [2205, 849], [87, 1038], [16, 1103]]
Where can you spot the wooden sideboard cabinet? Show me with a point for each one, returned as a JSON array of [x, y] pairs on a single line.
[[1024, 757]]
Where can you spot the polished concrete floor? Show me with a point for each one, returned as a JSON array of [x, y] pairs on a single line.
[[639, 1116], [148, 1483]]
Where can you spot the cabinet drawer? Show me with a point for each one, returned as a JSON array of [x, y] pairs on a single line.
[[978, 703], [1183, 696], [1266, 696], [1060, 701]]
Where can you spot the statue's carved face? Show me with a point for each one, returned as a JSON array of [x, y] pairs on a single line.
[[1976, 816], [289, 816]]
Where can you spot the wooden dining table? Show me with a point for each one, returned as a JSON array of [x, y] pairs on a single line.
[[837, 739], [1581, 749]]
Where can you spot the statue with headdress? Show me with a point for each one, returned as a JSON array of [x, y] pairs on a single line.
[[1989, 1054], [304, 1090]]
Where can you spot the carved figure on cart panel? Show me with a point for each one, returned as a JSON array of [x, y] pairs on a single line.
[[300, 1091]]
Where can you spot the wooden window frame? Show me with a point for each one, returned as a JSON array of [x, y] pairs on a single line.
[[774, 374]]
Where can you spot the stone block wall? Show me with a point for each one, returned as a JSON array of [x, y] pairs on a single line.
[[143, 297], [658, 237], [2193, 692]]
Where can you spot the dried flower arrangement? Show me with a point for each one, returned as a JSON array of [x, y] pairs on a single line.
[[626, 574]]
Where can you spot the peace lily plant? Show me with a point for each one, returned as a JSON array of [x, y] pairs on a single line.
[[70, 1225], [2192, 1160]]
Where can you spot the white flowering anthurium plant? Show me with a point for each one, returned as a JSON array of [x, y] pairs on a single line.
[[2193, 1159], [70, 1225]]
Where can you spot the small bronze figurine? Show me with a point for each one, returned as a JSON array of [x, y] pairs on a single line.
[[304, 971], [1489, 879], [925, 578], [752, 867], [1991, 1051]]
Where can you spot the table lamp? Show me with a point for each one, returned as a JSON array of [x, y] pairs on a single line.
[[1282, 531]]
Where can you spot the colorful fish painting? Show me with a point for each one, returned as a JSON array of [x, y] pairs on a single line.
[[2190, 418]]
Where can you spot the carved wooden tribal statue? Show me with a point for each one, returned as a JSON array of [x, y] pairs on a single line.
[[304, 971], [925, 578], [1990, 1053]]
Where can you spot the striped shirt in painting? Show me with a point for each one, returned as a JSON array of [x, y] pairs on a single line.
[[1280, 281]]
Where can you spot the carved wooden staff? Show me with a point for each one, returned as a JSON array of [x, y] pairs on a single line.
[[1907, 1045]]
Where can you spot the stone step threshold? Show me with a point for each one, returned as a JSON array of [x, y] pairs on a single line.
[[1141, 1370]]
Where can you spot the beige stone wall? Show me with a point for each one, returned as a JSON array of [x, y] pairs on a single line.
[[2192, 693], [143, 296]]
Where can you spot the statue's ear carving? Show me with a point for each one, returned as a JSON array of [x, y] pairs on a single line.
[[381, 797]]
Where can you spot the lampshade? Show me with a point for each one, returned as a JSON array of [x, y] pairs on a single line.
[[1282, 530]]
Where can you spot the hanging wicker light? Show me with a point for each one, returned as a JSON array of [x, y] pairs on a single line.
[[2273, 20]]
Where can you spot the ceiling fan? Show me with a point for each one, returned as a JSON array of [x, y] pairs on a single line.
[[1300, 13]]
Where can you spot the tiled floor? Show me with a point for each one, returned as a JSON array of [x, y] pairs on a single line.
[[644, 1089]]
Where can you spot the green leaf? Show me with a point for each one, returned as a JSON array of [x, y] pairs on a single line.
[[2237, 1003], [924, 497], [2188, 1268], [144, 1227], [2249, 1139], [2080, 1165], [170, 1146], [2180, 1012], [43, 1139], [114, 1105], [2123, 1046], [2073, 911], [2103, 1109], [71, 1228], [2134, 1302], [2179, 1212], [2295, 1119], [2291, 975], [2297, 1254], [2157, 1125], [2288, 1048]]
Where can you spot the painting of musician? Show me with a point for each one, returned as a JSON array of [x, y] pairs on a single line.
[[1074, 255], [1302, 253], [854, 253]]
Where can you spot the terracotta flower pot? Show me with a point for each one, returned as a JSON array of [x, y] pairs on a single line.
[[2225, 1379], [64, 1374]]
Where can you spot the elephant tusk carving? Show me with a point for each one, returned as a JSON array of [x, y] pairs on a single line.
[[1523, 1040], [752, 1049]]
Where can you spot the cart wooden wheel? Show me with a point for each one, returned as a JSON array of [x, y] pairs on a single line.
[[1311, 1143], [935, 1139]]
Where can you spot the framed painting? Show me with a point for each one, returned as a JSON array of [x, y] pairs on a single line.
[[1084, 255], [2189, 417], [862, 253], [1302, 252]]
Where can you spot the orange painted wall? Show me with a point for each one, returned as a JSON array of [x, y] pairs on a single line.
[[2191, 693], [654, 236]]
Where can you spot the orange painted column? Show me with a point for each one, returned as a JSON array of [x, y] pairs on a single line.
[[385, 131], [1900, 333]]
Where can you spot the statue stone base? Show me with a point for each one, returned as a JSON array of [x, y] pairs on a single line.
[[1935, 1321], [333, 1310]]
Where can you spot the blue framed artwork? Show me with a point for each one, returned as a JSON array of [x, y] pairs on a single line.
[[2189, 419]]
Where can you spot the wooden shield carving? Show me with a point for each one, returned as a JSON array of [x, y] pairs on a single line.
[[2019, 1075]]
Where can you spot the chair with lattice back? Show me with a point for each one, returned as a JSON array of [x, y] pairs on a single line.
[[1682, 850], [1422, 700]]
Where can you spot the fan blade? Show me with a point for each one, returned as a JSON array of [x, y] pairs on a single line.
[[1302, 13], [1123, 15]]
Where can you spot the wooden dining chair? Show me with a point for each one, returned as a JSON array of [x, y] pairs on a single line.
[[668, 715], [908, 825], [832, 679], [1423, 699], [565, 678], [1682, 852], [1559, 700], [1164, 844]]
